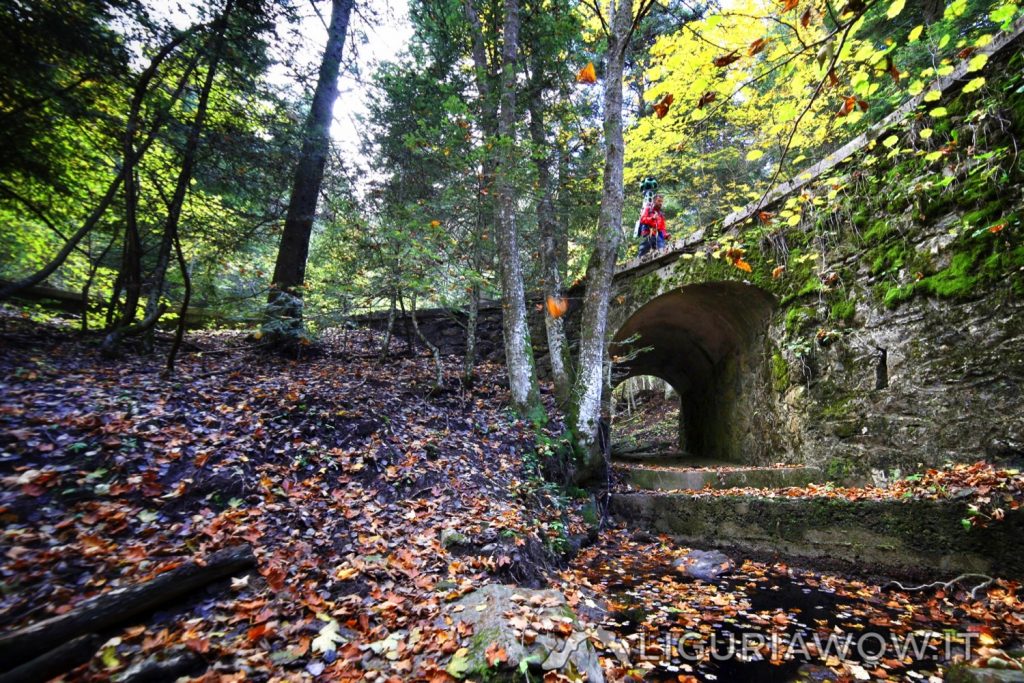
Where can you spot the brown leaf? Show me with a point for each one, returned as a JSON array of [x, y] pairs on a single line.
[[725, 60], [495, 655], [890, 66], [848, 104], [758, 46], [661, 108], [706, 98], [805, 18]]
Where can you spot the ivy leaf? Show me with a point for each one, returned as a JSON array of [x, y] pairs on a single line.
[[977, 62], [895, 8], [974, 84]]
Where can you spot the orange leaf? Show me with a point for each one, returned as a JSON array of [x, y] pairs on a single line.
[[435, 224], [495, 654], [661, 108], [997, 228], [587, 74], [706, 98], [742, 265], [789, 5], [777, 271], [557, 306], [848, 104], [725, 60], [758, 46], [833, 80], [765, 216]]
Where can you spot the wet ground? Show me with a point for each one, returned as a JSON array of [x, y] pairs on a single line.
[[772, 623]]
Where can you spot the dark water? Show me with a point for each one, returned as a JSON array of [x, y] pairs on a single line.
[[764, 625]]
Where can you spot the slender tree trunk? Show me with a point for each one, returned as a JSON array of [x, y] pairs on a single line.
[[385, 348], [131, 259], [547, 223], [93, 219], [485, 204], [177, 202], [285, 301], [93, 267], [585, 416], [434, 351], [179, 334], [472, 317], [518, 346]]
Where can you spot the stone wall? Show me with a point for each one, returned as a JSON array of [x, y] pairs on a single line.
[[900, 251]]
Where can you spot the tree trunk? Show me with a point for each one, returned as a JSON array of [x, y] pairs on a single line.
[[434, 351], [522, 375], [127, 164], [131, 258], [547, 223], [385, 348], [285, 301], [177, 202], [472, 316], [118, 606], [585, 415]]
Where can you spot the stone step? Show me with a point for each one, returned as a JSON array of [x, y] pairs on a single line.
[[918, 538], [666, 477]]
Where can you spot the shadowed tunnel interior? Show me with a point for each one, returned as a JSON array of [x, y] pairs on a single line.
[[703, 339]]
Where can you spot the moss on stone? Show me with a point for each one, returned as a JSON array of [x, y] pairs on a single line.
[[780, 372], [843, 311], [799, 319]]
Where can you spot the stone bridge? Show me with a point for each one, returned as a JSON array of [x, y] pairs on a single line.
[[882, 344]]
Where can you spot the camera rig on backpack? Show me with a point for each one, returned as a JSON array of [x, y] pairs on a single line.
[[648, 188]]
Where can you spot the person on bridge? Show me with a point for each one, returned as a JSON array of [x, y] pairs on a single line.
[[652, 220]]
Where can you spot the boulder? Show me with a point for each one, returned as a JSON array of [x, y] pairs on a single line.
[[704, 565], [512, 629]]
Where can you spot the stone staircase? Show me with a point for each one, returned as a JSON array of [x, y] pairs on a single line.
[[676, 472], [685, 499]]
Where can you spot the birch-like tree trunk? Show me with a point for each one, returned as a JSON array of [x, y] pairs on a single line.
[[522, 374], [585, 415], [285, 301], [547, 224]]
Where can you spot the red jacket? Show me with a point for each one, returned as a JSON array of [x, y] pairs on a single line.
[[653, 220]]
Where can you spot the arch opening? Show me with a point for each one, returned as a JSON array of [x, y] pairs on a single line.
[[645, 418], [706, 341]]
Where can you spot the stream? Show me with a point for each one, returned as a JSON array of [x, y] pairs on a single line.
[[769, 623]]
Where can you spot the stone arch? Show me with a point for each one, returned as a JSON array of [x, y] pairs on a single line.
[[707, 341]]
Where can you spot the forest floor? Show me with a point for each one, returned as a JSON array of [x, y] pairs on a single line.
[[652, 426], [371, 503]]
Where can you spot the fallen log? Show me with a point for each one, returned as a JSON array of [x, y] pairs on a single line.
[[55, 662], [119, 606]]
